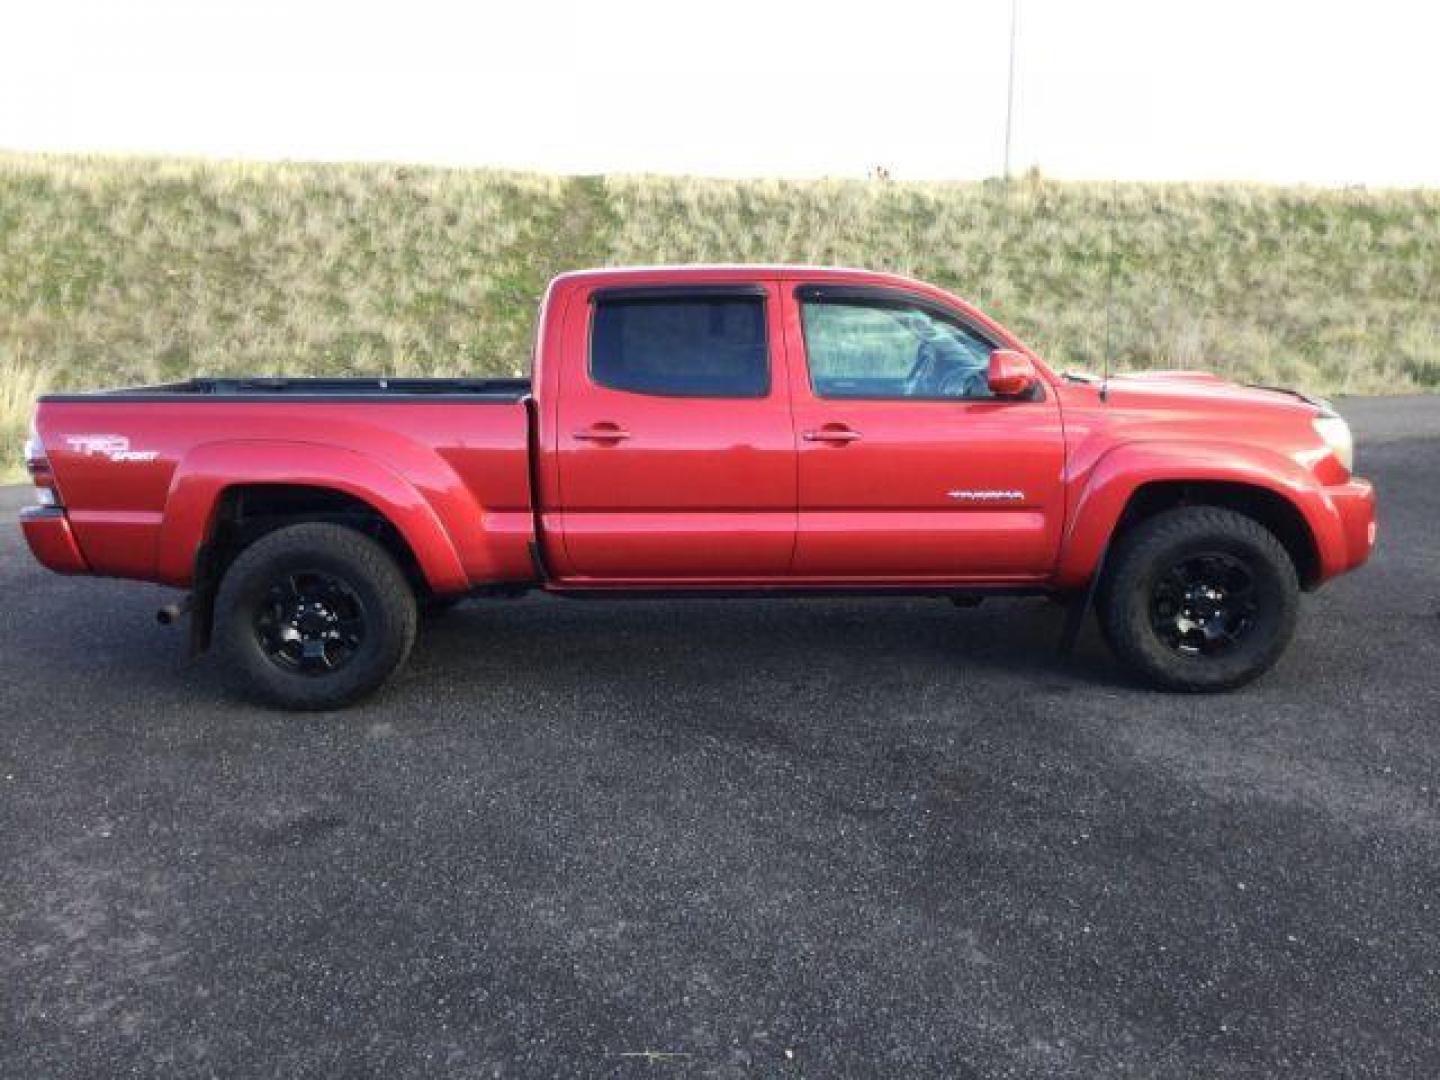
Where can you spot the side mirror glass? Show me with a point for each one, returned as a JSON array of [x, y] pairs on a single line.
[[1011, 373]]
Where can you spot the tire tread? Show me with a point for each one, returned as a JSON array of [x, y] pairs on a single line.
[[255, 677], [1125, 625]]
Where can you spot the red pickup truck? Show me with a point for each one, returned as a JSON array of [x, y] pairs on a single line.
[[708, 430]]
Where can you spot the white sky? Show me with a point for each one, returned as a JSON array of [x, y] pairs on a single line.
[[1321, 92]]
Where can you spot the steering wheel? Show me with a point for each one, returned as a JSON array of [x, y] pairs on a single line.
[[967, 383]]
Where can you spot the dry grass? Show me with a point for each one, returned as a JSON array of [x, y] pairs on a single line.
[[135, 270], [20, 385]]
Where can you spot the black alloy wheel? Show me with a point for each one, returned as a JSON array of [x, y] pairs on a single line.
[[1204, 604], [311, 622]]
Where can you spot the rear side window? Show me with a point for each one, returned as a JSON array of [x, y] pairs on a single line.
[[712, 346]]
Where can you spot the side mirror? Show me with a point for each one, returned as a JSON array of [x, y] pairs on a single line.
[[1011, 373]]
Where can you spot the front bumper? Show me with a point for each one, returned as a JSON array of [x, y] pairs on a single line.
[[1354, 503], [47, 531]]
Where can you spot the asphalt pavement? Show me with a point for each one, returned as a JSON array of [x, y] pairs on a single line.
[[733, 838]]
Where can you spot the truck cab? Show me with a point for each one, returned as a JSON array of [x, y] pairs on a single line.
[[809, 429]]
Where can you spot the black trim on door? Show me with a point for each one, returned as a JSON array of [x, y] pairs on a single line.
[[678, 292]]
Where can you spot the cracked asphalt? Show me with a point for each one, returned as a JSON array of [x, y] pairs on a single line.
[[733, 838]]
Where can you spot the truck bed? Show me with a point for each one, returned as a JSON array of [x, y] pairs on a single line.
[[144, 473], [329, 389]]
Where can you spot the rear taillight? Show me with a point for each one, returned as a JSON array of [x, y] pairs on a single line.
[[37, 463]]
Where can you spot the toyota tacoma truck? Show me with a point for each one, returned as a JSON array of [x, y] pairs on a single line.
[[708, 431]]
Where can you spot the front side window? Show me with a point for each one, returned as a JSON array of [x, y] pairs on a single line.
[[891, 349], [712, 346]]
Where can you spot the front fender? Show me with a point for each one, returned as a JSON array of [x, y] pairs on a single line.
[[207, 470], [1100, 496]]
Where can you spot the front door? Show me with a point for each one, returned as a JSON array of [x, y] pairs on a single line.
[[908, 467], [676, 448]]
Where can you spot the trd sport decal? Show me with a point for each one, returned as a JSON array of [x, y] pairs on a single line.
[[114, 447]]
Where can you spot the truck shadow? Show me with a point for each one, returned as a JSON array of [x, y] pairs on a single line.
[[920, 644], [758, 676]]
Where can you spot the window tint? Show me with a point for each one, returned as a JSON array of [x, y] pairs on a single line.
[[691, 346], [885, 349]]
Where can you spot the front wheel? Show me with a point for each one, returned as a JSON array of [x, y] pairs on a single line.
[[1198, 599], [313, 616]]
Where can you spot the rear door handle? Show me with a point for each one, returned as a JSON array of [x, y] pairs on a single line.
[[838, 435], [603, 432]]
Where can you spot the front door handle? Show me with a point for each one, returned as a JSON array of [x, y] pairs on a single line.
[[602, 432], [837, 435]]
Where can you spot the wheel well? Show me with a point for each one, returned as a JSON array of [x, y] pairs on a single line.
[[247, 512], [1272, 510]]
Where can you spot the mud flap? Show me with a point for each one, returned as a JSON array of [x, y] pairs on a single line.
[[202, 602], [1079, 607]]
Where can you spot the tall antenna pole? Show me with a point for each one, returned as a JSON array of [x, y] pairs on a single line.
[[1010, 88]]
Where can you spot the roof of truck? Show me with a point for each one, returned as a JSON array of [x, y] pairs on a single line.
[[730, 273], [714, 271]]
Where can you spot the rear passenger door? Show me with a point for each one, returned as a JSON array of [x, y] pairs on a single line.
[[676, 448]]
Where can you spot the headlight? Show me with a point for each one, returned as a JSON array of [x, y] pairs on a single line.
[[1336, 433]]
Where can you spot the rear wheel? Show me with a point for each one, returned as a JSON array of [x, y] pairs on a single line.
[[1198, 599], [313, 616]]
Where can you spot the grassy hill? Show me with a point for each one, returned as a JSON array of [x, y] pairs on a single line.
[[120, 271]]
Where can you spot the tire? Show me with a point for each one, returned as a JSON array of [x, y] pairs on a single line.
[[1199, 599], [313, 616]]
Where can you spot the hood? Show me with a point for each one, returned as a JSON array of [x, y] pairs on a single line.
[[1206, 388]]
